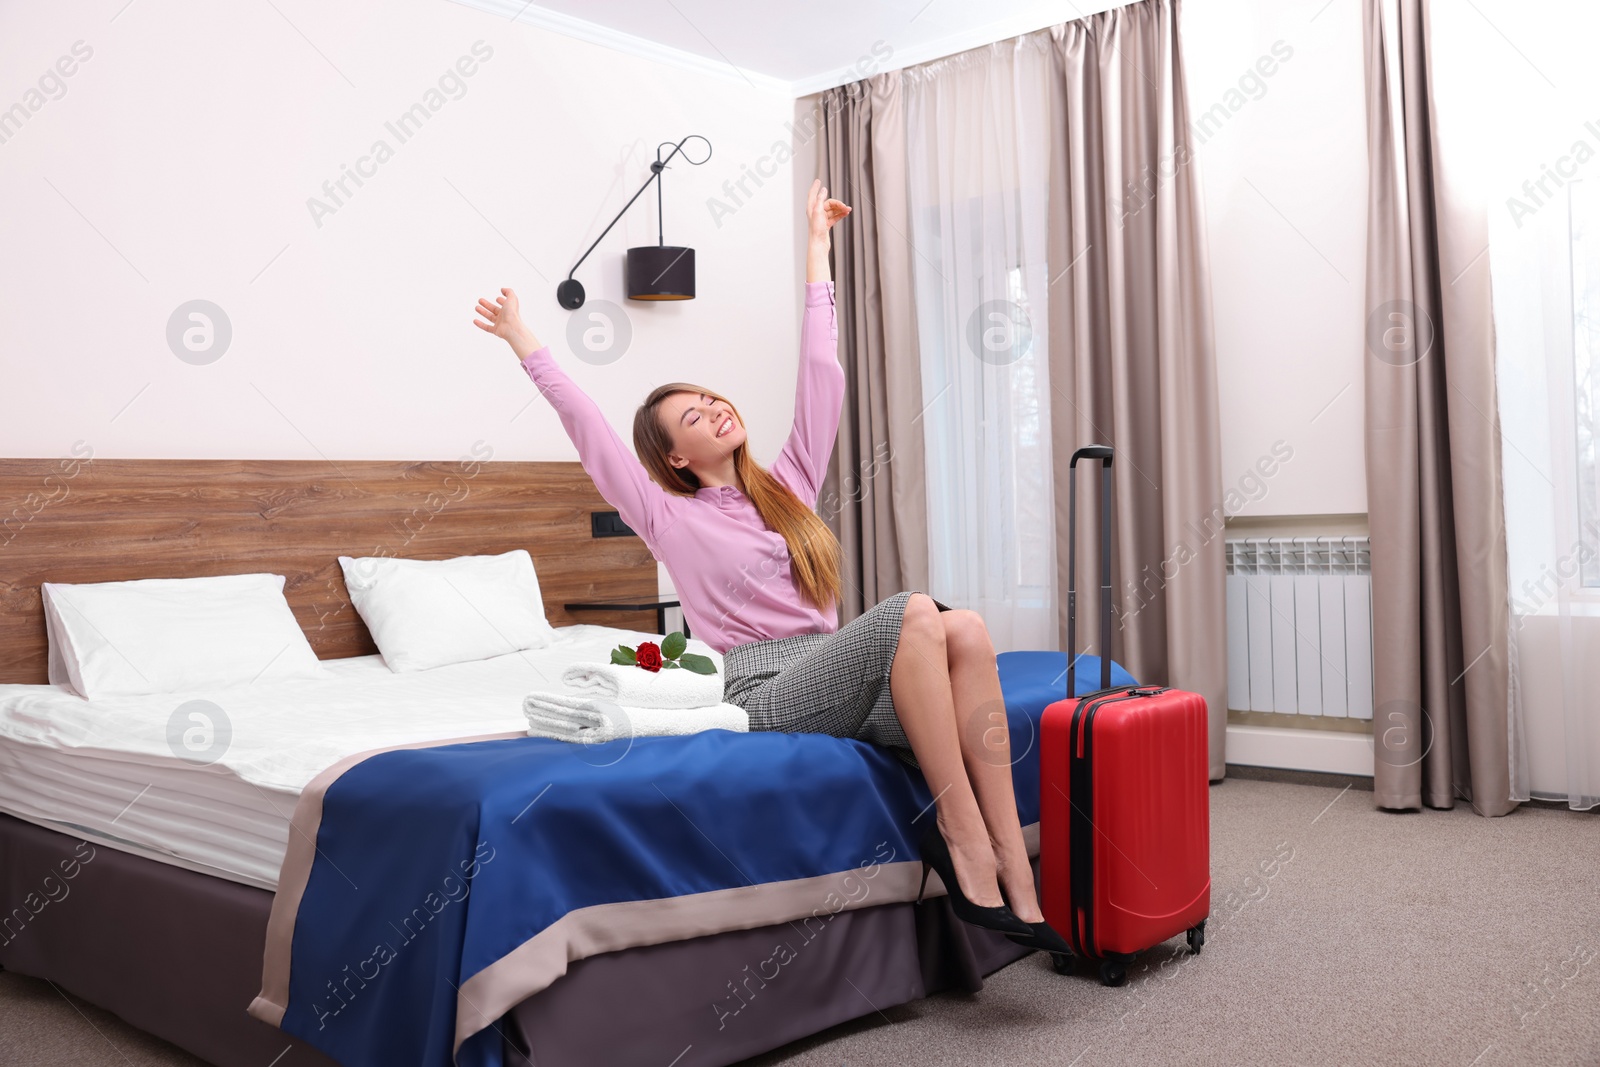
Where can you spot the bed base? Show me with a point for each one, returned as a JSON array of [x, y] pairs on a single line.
[[178, 954]]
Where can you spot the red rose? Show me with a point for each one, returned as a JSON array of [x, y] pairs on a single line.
[[649, 655]]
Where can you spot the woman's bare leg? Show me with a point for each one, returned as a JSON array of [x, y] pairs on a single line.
[[919, 682], [986, 745]]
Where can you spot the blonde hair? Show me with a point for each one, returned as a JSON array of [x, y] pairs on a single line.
[[813, 550]]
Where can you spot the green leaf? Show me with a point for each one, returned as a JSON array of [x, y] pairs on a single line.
[[623, 656], [669, 665], [673, 644], [699, 664]]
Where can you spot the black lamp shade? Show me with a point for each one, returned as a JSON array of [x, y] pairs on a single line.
[[660, 272]]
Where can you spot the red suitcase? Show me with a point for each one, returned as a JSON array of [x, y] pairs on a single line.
[[1124, 811]]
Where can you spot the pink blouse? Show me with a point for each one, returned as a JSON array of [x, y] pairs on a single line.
[[730, 569]]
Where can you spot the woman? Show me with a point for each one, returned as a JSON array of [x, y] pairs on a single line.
[[758, 576]]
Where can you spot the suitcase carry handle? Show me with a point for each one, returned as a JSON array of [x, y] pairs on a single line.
[[1104, 454]]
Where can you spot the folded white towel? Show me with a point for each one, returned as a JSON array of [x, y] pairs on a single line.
[[633, 687], [591, 720]]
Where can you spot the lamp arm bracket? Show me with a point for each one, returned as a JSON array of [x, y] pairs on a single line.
[[656, 167]]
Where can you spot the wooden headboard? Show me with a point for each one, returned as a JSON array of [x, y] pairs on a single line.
[[98, 520]]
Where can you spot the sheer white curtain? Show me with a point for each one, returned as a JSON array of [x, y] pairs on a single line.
[[1539, 138], [1547, 321], [977, 139]]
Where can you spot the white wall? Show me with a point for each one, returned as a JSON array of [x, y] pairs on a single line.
[[178, 162], [1283, 166]]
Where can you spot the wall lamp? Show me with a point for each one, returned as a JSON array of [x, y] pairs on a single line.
[[654, 272]]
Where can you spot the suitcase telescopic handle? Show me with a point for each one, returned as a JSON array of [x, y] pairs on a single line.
[[1103, 453]]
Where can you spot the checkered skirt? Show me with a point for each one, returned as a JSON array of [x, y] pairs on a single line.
[[830, 683]]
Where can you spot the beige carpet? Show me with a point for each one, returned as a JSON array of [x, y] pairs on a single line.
[[1339, 935]]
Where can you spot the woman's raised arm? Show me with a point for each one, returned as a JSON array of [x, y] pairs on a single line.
[[819, 391], [617, 473]]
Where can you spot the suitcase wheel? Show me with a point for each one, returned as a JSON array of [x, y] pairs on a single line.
[[1113, 972], [1197, 938], [1062, 962]]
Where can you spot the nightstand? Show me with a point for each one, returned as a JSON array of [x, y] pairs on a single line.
[[659, 604]]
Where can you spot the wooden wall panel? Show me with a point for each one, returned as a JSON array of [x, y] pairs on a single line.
[[111, 520]]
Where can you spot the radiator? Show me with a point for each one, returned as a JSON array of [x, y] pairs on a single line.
[[1300, 625]]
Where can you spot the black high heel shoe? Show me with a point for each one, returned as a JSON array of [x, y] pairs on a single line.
[[936, 856], [1043, 937]]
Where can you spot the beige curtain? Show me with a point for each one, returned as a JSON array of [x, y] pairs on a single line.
[[1131, 359], [1126, 307], [874, 496], [1440, 613]]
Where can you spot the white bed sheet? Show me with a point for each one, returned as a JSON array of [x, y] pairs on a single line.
[[105, 769]]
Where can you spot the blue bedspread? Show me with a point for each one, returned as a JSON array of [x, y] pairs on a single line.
[[434, 863]]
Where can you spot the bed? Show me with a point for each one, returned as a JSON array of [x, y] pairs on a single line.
[[147, 885]]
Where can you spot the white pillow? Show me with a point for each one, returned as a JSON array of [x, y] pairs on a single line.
[[428, 613], [56, 641], [163, 635]]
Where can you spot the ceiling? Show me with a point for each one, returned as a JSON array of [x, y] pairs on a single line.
[[794, 49]]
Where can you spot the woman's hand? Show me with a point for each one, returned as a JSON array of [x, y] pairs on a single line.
[[504, 317], [821, 213]]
